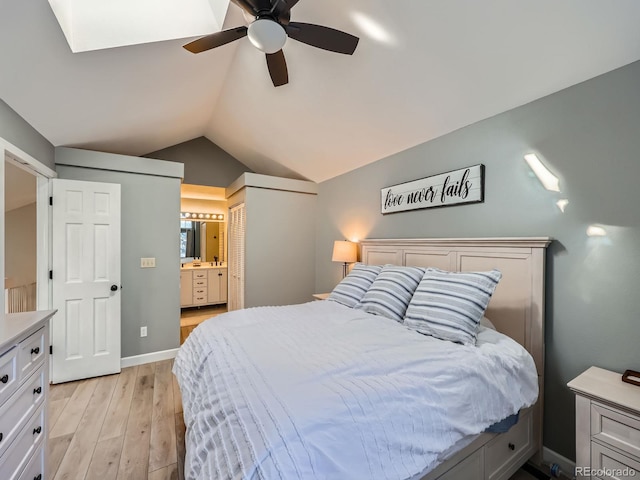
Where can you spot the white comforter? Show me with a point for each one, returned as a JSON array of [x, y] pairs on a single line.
[[322, 391]]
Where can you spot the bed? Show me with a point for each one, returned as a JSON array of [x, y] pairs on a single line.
[[321, 390]]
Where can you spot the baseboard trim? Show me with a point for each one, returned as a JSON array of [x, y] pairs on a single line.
[[567, 467], [148, 358]]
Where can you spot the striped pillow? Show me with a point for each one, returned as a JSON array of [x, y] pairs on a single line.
[[391, 291], [353, 287], [450, 305]]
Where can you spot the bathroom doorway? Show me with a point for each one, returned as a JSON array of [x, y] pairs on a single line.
[[203, 254]]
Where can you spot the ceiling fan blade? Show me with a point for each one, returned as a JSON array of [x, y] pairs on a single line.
[[277, 68], [322, 37], [247, 5], [216, 39]]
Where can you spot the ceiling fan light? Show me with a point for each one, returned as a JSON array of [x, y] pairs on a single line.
[[267, 35]]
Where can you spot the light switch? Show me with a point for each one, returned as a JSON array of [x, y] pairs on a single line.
[[147, 262]]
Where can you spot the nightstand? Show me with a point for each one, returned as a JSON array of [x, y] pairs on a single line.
[[320, 296], [607, 426]]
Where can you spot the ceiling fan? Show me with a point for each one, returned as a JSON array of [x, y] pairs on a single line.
[[269, 30]]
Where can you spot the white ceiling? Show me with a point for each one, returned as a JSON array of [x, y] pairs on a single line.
[[445, 64]]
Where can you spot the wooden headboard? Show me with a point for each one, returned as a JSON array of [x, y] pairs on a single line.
[[517, 305]]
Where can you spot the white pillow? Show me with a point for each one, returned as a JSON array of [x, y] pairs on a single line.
[[450, 305], [391, 291], [353, 287], [485, 322]]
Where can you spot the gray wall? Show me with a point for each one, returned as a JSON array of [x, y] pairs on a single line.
[[205, 163], [588, 135], [150, 228], [17, 131], [280, 242]]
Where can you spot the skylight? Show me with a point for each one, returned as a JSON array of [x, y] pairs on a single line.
[[98, 24]]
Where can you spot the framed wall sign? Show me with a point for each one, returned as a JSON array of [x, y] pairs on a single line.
[[452, 188]]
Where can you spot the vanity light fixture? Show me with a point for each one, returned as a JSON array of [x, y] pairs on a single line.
[[201, 216]]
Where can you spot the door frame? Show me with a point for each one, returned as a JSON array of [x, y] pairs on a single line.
[[43, 176]]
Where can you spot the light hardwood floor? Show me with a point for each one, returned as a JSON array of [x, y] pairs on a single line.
[[190, 318], [125, 427], [122, 427]]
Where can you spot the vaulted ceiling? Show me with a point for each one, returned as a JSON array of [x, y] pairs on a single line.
[[422, 69]]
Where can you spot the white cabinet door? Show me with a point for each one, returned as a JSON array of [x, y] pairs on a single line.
[[224, 279], [86, 279], [213, 286], [217, 285], [186, 289]]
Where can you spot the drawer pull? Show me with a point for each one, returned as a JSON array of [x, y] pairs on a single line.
[[38, 477], [512, 447], [37, 430], [1, 436], [5, 378], [35, 351], [37, 391]]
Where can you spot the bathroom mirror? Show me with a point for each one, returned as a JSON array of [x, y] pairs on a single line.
[[203, 240]]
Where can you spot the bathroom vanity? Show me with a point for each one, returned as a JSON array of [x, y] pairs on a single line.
[[203, 285]]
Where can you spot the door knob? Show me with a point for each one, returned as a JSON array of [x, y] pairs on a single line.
[[114, 288]]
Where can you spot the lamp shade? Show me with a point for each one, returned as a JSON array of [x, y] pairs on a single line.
[[344, 251]]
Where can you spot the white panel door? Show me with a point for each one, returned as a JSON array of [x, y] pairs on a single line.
[[86, 280]]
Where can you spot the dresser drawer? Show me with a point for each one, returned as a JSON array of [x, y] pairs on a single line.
[[471, 468], [19, 408], [19, 452], [35, 468], [31, 353], [200, 296], [202, 275], [199, 282], [608, 464], [8, 374], [509, 447], [614, 428]]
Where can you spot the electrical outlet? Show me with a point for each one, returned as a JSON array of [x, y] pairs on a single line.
[[143, 331], [148, 262]]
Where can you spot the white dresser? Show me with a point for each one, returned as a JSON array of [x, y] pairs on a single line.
[[24, 386], [607, 426]]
